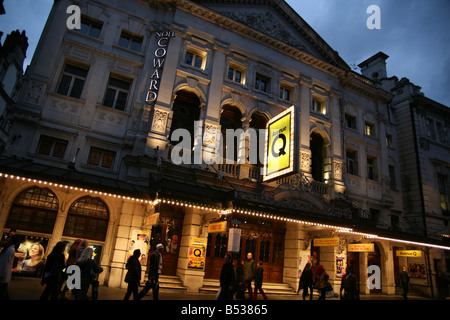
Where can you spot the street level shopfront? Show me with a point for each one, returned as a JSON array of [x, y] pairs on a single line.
[[46, 212]]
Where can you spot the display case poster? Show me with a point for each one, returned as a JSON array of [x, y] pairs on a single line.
[[29, 257], [417, 270], [302, 261], [197, 253], [96, 251], [340, 266], [139, 240]]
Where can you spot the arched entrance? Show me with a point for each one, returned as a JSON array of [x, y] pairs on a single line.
[[317, 156], [263, 238], [168, 232]]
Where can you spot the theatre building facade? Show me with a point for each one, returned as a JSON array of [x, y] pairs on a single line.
[[94, 152]]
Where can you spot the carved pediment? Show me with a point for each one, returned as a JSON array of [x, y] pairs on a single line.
[[279, 21]]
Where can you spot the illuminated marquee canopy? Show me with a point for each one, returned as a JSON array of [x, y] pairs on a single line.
[[280, 152]]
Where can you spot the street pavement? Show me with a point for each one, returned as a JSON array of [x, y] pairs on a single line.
[[31, 289]]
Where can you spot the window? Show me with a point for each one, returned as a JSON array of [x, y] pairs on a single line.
[[371, 168], [442, 185], [369, 129], [392, 180], [389, 141], [285, 93], [431, 129], [52, 147], [442, 134], [318, 106], [34, 209], [117, 94], [262, 83], [235, 74], [131, 42], [352, 162], [87, 218], [90, 27], [72, 81], [350, 121], [194, 59], [186, 110], [101, 158], [395, 222]]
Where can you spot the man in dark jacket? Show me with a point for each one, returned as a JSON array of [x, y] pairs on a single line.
[[259, 281], [348, 284], [154, 271], [404, 279], [249, 274], [133, 275]]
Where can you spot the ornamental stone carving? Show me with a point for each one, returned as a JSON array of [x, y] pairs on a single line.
[[159, 121]]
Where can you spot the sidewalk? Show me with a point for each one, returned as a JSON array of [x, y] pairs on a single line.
[[31, 289]]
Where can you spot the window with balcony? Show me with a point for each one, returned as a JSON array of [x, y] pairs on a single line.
[[186, 110]]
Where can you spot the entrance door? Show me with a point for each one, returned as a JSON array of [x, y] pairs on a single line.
[[168, 233], [264, 241], [353, 262]]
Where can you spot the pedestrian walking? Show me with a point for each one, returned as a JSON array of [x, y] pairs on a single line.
[[227, 279], [133, 275], [321, 281], [88, 270], [6, 263], [306, 282], [71, 260], [154, 270], [239, 289], [52, 276], [259, 282], [404, 280], [348, 285], [83, 245], [249, 274]]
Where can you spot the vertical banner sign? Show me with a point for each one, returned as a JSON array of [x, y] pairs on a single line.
[[234, 240], [197, 253], [158, 63], [280, 159]]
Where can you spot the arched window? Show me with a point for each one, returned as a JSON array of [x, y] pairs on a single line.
[[317, 157], [231, 118], [87, 218], [258, 122], [186, 110], [34, 209]]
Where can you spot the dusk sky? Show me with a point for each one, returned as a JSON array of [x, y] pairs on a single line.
[[415, 34]]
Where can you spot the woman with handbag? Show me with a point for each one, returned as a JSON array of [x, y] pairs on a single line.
[[322, 281]]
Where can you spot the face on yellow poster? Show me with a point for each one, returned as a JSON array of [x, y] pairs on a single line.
[[279, 144]]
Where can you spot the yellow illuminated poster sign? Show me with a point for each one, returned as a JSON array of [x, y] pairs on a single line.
[[326, 242], [409, 253], [279, 151], [361, 247], [197, 253]]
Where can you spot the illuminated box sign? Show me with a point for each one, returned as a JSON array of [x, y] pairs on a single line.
[[280, 159], [361, 247], [217, 227], [326, 242], [409, 253]]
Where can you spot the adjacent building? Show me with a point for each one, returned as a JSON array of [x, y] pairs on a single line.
[[97, 154]]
